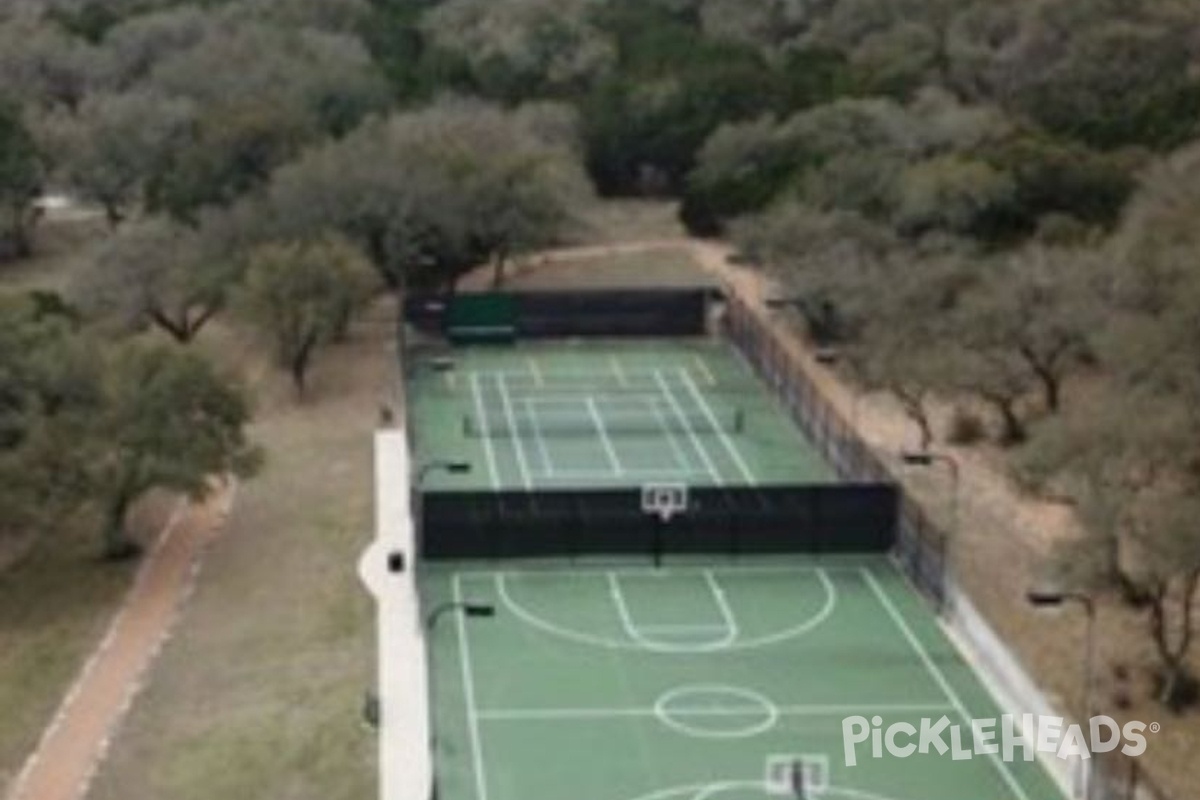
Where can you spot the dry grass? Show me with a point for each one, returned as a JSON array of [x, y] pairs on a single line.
[[55, 604], [62, 247], [653, 269], [613, 221], [259, 692]]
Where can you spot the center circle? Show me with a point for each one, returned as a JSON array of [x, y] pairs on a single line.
[[714, 711]]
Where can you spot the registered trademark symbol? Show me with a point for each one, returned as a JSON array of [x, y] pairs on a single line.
[[1155, 727]]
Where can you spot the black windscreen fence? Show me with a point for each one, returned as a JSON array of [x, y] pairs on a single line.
[[834, 518], [550, 313], [661, 312]]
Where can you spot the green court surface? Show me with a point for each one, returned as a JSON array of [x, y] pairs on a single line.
[[622, 682], [601, 414]]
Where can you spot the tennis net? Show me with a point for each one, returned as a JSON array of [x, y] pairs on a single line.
[[646, 417], [623, 380]]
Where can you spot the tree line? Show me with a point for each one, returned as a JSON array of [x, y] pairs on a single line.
[[251, 162]]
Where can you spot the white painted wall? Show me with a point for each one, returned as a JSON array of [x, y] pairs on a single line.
[[405, 767]]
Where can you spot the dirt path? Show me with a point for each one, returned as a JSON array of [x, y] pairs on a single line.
[[76, 741]]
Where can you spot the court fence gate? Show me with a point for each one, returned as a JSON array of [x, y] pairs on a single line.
[[921, 545]]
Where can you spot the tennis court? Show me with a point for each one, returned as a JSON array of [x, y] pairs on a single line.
[[617, 681], [603, 413]]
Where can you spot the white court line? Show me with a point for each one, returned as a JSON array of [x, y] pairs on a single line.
[[536, 371], [682, 417], [708, 412], [539, 440], [722, 604], [684, 629], [515, 439], [729, 630], [552, 397], [464, 654], [618, 597], [615, 363], [936, 674], [603, 431], [584, 637], [773, 568], [831, 710], [682, 462], [635, 472], [704, 370], [493, 472]]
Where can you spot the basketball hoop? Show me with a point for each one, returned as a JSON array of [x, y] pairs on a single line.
[[805, 777], [664, 500]]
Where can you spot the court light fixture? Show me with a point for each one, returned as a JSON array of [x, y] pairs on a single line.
[[371, 710], [468, 608], [776, 303], [453, 467], [1053, 598], [826, 354], [1041, 598]]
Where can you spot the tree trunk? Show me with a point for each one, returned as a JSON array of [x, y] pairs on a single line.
[[181, 333], [1043, 369], [498, 262], [340, 332], [1051, 386], [114, 214], [117, 545], [182, 327], [300, 361], [1178, 684], [914, 409], [18, 235], [1011, 430]]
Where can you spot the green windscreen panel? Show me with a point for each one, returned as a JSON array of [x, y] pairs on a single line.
[[483, 317]]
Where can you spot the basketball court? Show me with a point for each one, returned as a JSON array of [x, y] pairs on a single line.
[[702, 680]]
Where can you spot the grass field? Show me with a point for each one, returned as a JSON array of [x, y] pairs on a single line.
[[621, 682], [605, 413], [258, 694]]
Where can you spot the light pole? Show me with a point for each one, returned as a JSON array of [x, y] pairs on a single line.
[[926, 458], [1054, 599], [469, 610]]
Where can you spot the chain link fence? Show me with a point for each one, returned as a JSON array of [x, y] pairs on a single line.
[[921, 545]]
